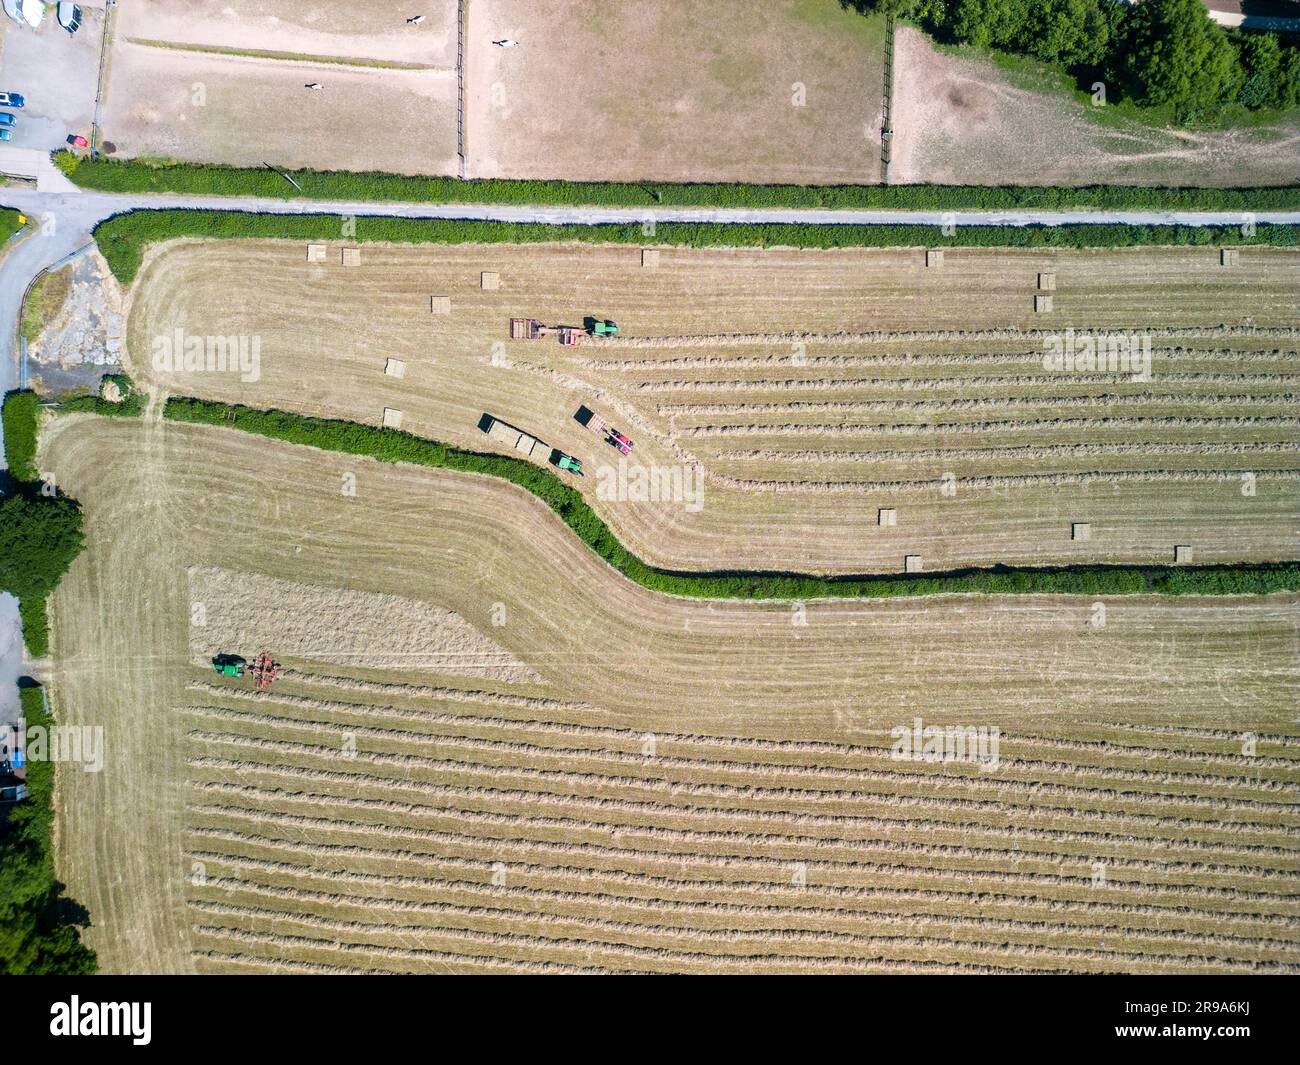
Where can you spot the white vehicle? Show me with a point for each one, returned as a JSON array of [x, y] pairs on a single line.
[[69, 16]]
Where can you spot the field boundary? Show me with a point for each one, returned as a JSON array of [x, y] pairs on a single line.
[[146, 175], [390, 445], [123, 238]]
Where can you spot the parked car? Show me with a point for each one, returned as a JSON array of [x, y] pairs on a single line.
[[6, 134], [69, 16], [6, 119], [12, 99]]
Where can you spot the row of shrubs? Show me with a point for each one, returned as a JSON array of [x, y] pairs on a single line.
[[40, 533], [138, 175], [123, 238], [390, 445], [38, 924]]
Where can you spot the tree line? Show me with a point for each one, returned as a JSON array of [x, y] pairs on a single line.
[[1155, 53]]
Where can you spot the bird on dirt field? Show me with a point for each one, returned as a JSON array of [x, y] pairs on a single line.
[[415, 20], [313, 85], [505, 42]]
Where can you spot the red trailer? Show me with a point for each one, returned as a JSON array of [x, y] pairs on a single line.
[[593, 421]]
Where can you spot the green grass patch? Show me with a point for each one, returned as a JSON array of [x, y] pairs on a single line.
[[144, 175], [21, 412], [9, 224], [129, 401], [388, 445], [38, 925], [123, 238]]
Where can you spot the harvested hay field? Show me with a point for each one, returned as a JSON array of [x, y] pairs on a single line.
[[363, 628], [789, 91], [811, 388], [722, 799]]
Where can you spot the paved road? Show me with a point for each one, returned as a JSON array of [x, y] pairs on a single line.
[[87, 208], [68, 218]]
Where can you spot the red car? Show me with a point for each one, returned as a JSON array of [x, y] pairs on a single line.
[[618, 440]]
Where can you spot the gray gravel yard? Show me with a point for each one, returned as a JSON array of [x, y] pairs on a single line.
[[57, 72]]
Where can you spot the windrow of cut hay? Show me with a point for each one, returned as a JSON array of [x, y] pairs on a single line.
[[482, 828]]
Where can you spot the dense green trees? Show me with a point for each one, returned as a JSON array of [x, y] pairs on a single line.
[[39, 538], [38, 924], [40, 530], [1176, 55], [1156, 53]]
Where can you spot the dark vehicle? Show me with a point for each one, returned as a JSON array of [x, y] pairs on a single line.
[[12, 99]]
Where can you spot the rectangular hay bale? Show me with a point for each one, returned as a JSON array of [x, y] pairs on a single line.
[[1228, 256], [316, 253], [1042, 304], [395, 367], [888, 516], [351, 256], [650, 258], [489, 280], [934, 257], [1182, 553], [392, 418], [911, 563], [1047, 282], [1081, 530], [440, 305]]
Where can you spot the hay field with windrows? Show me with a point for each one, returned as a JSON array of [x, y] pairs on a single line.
[[685, 786], [810, 389]]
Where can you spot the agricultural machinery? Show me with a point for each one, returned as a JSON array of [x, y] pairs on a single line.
[[263, 670], [534, 329], [593, 421]]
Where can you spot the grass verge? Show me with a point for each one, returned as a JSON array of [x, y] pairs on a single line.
[[9, 224], [45, 299], [388, 445]]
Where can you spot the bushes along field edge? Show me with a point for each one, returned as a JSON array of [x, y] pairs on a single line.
[[389, 445]]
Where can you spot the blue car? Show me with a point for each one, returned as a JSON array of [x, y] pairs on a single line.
[[6, 134], [6, 119], [12, 99]]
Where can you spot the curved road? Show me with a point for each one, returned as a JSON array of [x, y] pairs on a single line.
[[65, 221]]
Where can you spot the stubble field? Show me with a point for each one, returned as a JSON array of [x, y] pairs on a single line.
[[715, 794], [814, 388]]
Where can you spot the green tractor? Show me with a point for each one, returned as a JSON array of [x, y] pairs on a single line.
[[600, 327], [568, 463], [229, 665]]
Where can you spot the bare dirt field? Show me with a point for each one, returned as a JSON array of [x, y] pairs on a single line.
[[719, 797], [785, 91], [812, 388], [340, 28], [186, 85], [960, 120]]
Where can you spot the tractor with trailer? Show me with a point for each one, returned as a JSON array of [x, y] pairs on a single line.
[[527, 445], [263, 670], [593, 421], [228, 665], [535, 329]]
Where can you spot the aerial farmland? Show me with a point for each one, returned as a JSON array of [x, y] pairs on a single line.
[[674, 488]]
